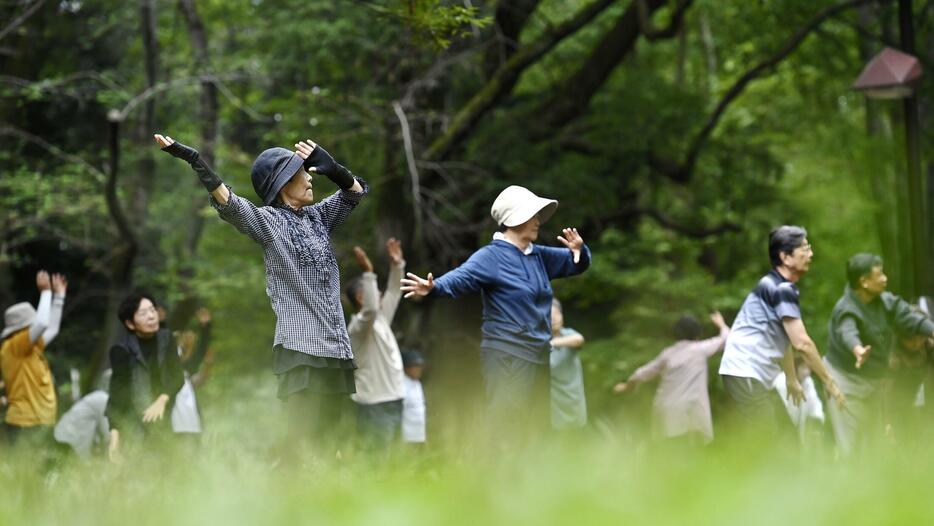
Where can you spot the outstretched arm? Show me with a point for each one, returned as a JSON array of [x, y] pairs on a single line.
[[241, 213], [212, 183], [646, 373]]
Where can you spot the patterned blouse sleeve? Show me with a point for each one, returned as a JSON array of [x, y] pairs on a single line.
[[335, 209], [258, 223]]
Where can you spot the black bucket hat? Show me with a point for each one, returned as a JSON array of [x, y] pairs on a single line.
[[272, 170]]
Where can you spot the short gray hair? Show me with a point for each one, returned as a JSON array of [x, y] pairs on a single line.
[[785, 238]]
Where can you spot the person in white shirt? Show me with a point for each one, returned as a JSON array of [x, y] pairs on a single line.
[[413, 405], [378, 377]]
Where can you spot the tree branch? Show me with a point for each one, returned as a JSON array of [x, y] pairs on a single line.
[[573, 98], [509, 17], [54, 150], [682, 172], [645, 20], [505, 78], [18, 21], [413, 169]]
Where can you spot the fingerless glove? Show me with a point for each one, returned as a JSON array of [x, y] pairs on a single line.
[[208, 178], [325, 165]]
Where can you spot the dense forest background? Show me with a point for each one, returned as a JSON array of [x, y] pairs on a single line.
[[674, 133]]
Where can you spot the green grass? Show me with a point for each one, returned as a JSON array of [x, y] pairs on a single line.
[[238, 477]]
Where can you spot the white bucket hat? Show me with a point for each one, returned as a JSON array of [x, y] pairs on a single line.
[[17, 317], [516, 205]]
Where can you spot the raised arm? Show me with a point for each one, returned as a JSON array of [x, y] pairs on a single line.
[[59, 288], [41, 321], [335, 209], [258, 224], [369, 306], [712, 346], [563, 262], [393, 292]]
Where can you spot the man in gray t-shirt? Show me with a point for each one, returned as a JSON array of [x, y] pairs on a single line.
[[757, 349]]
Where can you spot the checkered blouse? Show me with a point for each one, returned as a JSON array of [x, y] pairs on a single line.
[[302, 279]]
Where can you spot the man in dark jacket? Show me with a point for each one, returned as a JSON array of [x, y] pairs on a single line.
[[862, 335], [147, 372]]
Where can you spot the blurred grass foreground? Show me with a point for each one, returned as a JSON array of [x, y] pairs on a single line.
[[240, 474]]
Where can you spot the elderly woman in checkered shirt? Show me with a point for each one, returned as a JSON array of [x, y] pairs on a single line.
[[312, 355]]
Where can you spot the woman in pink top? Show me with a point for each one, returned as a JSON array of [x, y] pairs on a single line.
[[682, 407]]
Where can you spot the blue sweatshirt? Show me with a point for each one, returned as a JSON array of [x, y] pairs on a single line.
[[517, 294]]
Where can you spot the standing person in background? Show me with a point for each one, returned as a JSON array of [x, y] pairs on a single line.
[[682, 404], [568, 401], [514, 276], [379, 374], [769, 326], [146, 372], [414, 416], [311, 349], [862, 335], [27, 332]]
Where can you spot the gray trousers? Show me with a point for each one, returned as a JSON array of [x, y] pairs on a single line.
[[754, 404], [861, 420], [518, 393]]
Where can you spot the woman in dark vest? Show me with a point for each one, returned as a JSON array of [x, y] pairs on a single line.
[[146, 372]]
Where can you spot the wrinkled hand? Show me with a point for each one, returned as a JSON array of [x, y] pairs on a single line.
[[42, 281], [155, 411], [177, 149], [795, 391], [862, 354], [318, 160], [621, 388], [59, 284], [304, 149], [834, 392], [394, 250], [573, 241], [416, 286], [362, 259]]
